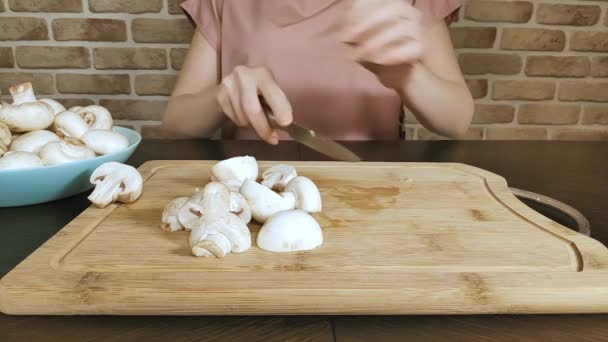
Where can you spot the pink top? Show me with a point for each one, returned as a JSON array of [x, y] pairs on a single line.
[[328, 93]]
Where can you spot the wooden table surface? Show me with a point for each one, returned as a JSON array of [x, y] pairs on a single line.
[[573, 172]]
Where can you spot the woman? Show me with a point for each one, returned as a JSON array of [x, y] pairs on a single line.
[[345, 68]]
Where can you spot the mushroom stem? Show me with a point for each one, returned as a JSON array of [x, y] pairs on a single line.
[[106, 191], [22, 93]]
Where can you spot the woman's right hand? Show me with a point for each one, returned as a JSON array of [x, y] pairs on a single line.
[[238, 96]]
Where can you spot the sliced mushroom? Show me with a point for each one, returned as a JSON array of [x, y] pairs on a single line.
[[70, 124], [97, 117], [27, 117], [57, 107], [219, 232], [20, 160], [5, 138], [169, 220], [22, 93], [306, 193], [33, 141], [65, 151], [104, 141], [240, 207], [190, 213], [290, 231], [115, 182], [264, 202], [277, 177], [234, 171]]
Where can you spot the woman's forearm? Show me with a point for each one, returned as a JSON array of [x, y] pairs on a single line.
[[443, 106], [194, 115]]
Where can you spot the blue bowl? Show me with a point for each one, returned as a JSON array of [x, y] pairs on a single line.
[[50, 183]]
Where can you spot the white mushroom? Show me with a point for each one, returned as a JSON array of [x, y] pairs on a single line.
[[240, 207], [20, 160], [290, 231], [33, 141], [234, 171], [115, 182], [306, 193], [190, 213], [5, 138], [264, 202], [169, 220], [57, 107], [22, 93], [27, 117], [277, 177], [104, 141], [70, 124], [97, 117], [219, 232], [65, 151]]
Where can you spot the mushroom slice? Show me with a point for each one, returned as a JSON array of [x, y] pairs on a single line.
[[290, 231], [69, 124], [306, 193], [5, 138], [278, 176], [20, 160], [97, 117], [264, 202], [169, 220], [240, 207], [216, 220], [190, 213], [33, 141], [22, 93], [115, 182], [27, 117], [104, 141], [65, 151], [57, 107], [234, 171]]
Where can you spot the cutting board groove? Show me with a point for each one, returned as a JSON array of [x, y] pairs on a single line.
[[400, 238]]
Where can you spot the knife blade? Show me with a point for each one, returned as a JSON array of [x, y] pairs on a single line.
[[310, 138]]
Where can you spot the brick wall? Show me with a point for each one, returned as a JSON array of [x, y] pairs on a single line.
[[538, 69]]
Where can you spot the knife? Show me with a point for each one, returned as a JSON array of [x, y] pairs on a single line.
[[310, 138]]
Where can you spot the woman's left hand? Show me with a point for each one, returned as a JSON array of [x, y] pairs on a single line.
[[383, 32]]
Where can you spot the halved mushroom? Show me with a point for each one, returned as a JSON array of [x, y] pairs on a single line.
[[306, 193], [219, 232], [22, 93], [5, 138], [33, 141], [57, 107], [70, 124], [115, 182], [20, 160], [290, 231], [169, 220], [104, 141], [97, 117], [234, 171], [264, 202], [277, 177], [65, 151]]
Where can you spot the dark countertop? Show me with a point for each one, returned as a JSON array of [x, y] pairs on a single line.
[[573, 172]]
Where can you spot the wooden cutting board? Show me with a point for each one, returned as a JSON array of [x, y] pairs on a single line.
[[400, 238]]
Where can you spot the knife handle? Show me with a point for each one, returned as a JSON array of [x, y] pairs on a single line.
[[269, 115]]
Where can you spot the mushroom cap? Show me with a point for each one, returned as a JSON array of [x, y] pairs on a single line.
[[27, 117], [57, 107], [115, 182], [169, 219], [277, 176], [307, 194], [264, 202], [33, 141], [234, 171], [290, 231], [97, 117], [104, 141], [20, 160], [69, 124], [61, 152]]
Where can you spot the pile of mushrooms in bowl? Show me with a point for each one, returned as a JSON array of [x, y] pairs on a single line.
[[46, 150], [218, 215]]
